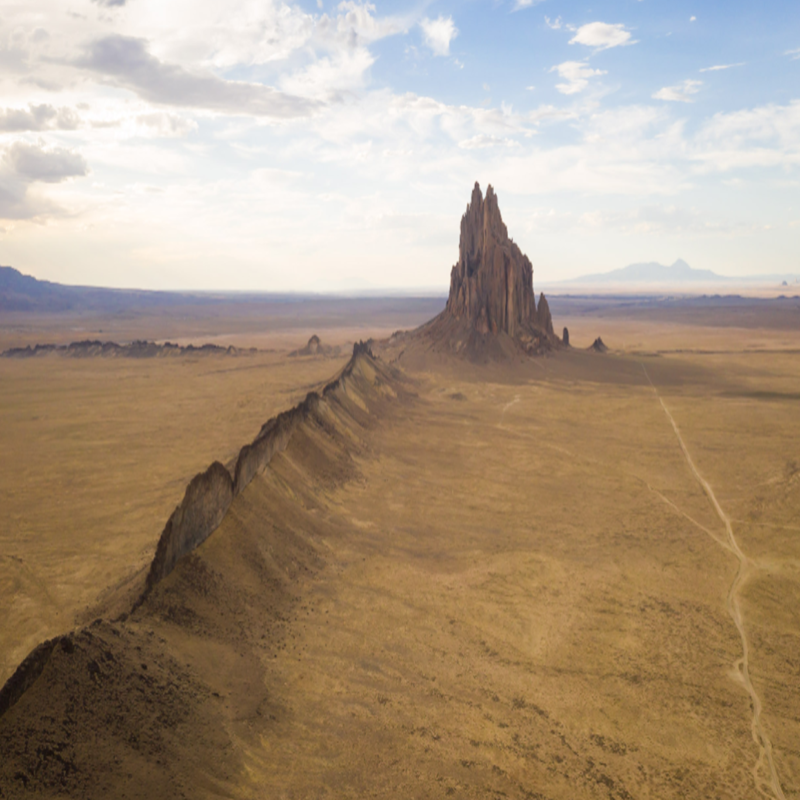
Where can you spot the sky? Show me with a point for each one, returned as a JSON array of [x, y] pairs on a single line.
[[322, 146]]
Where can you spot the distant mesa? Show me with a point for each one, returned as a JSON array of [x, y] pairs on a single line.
[[598, 345], [678, 274], [491, 310], [140, 348], [314, 347]]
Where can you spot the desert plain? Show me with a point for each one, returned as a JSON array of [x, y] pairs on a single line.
[[569, 576]]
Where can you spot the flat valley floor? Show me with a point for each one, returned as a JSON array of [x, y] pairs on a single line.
[[570, 577]]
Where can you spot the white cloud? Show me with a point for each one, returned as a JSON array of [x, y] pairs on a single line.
[[40, 117], [795, 54], [519, 5], [692, 19], [681, 93], [127, 62], [602, 35], [718, 67], [576, 74], [554, 24], [165, 125], [484, 140], [35, 163], [438, 34]]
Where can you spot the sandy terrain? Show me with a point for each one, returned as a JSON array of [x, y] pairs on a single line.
[[575, 577]]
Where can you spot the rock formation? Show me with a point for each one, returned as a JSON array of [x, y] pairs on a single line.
[[314, 347], [598, 345], [139, 348], [565, 337], [492, 283], [491, 311]]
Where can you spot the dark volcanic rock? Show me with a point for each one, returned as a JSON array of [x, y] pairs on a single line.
[[544, 317], [491, 312], [565, 337], [315, 347], [492, 283], [90, 348]]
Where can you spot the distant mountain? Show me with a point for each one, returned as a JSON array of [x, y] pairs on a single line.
[[20, 292], [652, 272], [679, 273]]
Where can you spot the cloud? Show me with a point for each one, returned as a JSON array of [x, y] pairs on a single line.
[[35, 163], [692, 19], [681, 93], [766, 136], [110, 3], [26, 165], [602, 35], [38, 118], [484, 140], [166, 125], [554, 24], [519, 5], [795, 54], [719, 67], [125, 62], [438, 34], [326, 77], [576, 74]]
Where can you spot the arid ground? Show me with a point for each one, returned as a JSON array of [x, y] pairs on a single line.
[[575, 576]]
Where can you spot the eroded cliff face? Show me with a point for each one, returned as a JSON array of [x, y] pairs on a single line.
[[492, 283]]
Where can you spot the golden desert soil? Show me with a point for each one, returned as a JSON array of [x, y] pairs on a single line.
[[96, 454], [537, 580]]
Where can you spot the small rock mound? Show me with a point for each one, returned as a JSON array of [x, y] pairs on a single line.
[[599, 346], [314, 347]]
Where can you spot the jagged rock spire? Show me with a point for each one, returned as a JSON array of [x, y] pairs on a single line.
[[492, 283]]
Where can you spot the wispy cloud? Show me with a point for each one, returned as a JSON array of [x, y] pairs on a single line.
[[576, 74], [795, 54], [127, 62], [553, 24], [484, 140], [519, 5], [38, 118], [54, 165], [681, 93], [602, 35], [718, 67], [438, 34]]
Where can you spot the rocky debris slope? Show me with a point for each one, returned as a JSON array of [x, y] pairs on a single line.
[[491, 311], [156, 702], [89, 348]]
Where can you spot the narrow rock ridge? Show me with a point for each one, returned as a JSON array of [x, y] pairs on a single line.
[[210, 494]]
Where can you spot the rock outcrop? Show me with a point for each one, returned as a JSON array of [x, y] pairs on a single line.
[[140, 348], [491, 311], [315, 347], [543, 316], [565, 337], [598, 345], [492, 283]]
